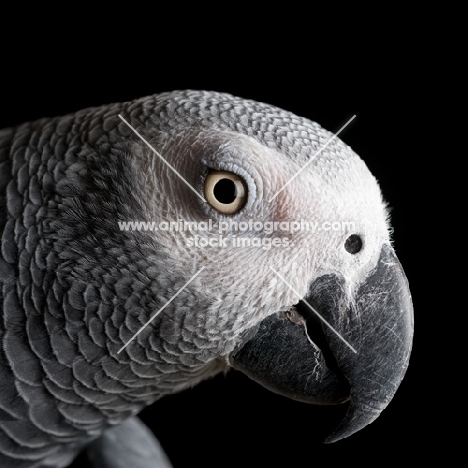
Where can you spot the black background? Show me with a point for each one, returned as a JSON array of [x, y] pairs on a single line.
[[382, 76]]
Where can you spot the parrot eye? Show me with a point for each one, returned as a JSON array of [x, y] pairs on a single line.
[[353, 244], [225, 191]]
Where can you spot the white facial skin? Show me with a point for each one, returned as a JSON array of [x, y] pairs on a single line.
[[239, 282]]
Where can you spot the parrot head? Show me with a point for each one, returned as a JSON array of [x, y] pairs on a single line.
[[265, 247], [209, 232]]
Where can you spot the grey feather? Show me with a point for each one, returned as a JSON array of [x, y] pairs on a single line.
[[131, 444]]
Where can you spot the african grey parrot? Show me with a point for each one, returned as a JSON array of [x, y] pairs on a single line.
[[100, 320]]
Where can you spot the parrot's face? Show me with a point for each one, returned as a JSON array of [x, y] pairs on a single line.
[[292, 259], [302, 233]]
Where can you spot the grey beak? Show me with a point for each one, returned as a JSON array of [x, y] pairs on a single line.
[[379, 326]]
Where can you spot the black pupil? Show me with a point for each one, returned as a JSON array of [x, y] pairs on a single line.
[[225, 191], [353, 244]]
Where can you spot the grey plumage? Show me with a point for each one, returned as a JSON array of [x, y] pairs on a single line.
[[75, 288], [130, 444]]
